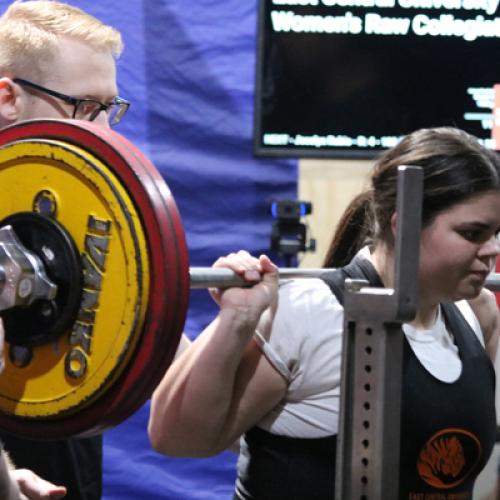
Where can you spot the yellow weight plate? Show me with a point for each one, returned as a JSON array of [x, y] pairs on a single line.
[[96, 210]]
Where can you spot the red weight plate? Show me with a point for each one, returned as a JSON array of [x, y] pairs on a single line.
[[126, 404], [169, 280]]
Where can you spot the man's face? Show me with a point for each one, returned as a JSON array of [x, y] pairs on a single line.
[[78, 71]]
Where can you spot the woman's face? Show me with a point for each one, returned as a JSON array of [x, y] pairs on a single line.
[[459, 249]]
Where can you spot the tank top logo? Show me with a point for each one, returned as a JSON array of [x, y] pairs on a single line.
[[448, 457]]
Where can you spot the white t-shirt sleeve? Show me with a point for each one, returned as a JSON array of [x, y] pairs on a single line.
[[272, 356], [305, 346]]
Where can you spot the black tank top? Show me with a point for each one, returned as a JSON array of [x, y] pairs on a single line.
[[448, 429]]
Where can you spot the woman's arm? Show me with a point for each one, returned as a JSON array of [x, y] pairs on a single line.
[[486, 310], [221, 385]]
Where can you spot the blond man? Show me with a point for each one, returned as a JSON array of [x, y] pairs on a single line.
[[56, 61]]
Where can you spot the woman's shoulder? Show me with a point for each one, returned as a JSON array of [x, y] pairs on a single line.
[[307, 292], [305, 307], [486, 310]]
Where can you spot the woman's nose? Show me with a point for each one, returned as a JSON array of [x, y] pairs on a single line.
[[491, 247]]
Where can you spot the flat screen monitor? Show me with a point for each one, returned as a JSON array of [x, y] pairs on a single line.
[[349, 78]]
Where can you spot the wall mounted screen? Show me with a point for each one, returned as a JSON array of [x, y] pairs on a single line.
[[348, 78]]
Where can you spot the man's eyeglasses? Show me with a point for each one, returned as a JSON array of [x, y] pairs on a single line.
[[84, 109]]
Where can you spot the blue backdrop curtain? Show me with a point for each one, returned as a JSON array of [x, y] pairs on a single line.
[[188, 68]]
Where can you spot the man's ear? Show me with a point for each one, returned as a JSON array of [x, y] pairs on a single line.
[[11, 100], [394, 221]]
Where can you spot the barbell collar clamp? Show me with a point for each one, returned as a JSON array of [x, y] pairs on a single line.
[[22, 275]]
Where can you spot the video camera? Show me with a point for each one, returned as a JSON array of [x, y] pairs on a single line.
[[288, 234]]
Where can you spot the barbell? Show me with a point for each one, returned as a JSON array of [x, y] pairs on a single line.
[[94, 278]]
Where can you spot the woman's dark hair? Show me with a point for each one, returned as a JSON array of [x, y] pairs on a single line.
[[352, 232], [455, 167]]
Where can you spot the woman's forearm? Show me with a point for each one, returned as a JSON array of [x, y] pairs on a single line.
[[191, 406]]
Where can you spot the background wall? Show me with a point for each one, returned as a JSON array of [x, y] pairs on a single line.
[[188, 68], [330, 185]]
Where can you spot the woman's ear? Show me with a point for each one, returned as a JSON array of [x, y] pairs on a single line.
[[11, 100], [394, 220]]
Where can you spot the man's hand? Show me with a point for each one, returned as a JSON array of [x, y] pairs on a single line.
[[33, 487], [23, 484]]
